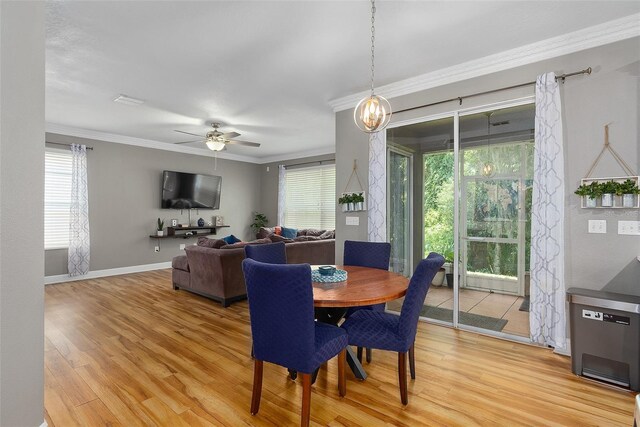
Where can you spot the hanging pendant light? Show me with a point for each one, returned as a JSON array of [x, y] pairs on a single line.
[[373, 113], [488, 168]]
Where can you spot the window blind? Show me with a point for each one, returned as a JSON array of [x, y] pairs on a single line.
[[57, 198], [311, 197]]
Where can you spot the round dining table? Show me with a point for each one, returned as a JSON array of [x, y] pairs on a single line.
[[364, 286]]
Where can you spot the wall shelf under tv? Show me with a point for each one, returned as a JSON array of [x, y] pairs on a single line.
[[181, 232]]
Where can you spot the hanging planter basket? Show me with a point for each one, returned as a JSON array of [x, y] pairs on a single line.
[[353, 201]]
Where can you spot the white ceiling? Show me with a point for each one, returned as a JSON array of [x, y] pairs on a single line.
[[268, 69]]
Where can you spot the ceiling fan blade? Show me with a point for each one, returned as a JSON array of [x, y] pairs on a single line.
[[188, 133], [245, 143], [187, 142], [230, 135]]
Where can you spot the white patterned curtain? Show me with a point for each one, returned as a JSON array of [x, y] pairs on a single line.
[[79, 253], [282, 194], [547, 309], [377, 200]]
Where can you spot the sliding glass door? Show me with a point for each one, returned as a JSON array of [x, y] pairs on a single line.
[[399, 209], [484, 284]]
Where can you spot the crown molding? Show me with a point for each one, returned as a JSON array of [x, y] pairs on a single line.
[[140, 142], [298, 155], [586, 38]]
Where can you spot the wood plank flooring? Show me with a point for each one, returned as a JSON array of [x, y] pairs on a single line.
[[128, 351]]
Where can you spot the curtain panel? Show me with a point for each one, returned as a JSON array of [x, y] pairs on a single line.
[[377, 197], [79, 243], [547, 309]]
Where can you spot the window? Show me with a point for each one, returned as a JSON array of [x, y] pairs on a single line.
[[57, 198], [310, 200]]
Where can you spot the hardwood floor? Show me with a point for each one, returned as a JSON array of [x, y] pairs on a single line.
[[128, 350]]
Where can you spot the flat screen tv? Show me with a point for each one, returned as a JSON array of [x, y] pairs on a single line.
[[181, 190]]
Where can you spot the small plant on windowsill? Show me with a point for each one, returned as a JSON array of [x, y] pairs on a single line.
[[160, 227]]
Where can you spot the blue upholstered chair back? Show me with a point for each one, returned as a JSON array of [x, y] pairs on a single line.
[[271, 253], [367, 254], [416, 294], [281, 310]]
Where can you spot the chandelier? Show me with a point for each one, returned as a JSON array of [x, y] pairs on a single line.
[[373, 113]]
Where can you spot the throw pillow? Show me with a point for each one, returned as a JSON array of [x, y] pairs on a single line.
[[289, 233], [231, 239], [277, 230], [211, 243], [329, 234], [264, 232], [314, 232]]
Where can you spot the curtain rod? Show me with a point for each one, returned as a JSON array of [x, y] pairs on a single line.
[[460, 98], [66, 145], [319, 162]]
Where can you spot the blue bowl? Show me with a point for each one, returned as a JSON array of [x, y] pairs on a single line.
[[326, 270]]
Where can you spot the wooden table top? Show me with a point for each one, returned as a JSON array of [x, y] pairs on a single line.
[[364, 286]]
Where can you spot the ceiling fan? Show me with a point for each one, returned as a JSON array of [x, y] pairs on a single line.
[[216, 140]]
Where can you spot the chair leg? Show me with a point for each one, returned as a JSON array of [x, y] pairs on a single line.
[[306, 399], [369, 352], [360, 354], [412, 361], [257, 386], [402, 376], [342, 383]]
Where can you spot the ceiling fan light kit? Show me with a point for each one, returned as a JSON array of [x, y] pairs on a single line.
[[373, 113], [216, 140]]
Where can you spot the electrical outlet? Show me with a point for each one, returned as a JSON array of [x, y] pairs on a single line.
[[157, 249], [597, 226], [182, 245], [352, 220], [631, 228]]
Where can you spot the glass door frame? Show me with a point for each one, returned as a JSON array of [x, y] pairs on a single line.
[[456, 114], [410, 202]]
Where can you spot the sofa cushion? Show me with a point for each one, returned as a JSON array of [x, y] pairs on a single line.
[[329, 234], [243, 244], [306, 238], [231, 239], [211, 243], [289, 233], [180, 262], [276, 238]]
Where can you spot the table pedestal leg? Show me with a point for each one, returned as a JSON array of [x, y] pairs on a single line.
[[355, 364]]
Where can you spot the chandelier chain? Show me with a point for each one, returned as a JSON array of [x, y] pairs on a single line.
[[373, 40]]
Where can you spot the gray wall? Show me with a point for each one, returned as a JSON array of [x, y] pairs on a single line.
[[610, 94], [124, 202], [269, 183], [21, 213]]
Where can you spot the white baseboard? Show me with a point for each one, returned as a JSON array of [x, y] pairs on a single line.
[[48, 280]]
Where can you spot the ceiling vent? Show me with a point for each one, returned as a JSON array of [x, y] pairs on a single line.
[[127, 100]]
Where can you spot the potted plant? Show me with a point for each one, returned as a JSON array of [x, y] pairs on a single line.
[[259, 220], [608, 189], [343, 201], [160, 227], [358, 201], [628, 190], [589, 192]]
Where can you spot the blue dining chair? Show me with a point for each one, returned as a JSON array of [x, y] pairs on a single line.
[[271, 253], [289, 338], [366, 254], [386, 331]]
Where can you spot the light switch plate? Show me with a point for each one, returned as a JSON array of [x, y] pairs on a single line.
[[352, 220], [597, 226], [630, 228]]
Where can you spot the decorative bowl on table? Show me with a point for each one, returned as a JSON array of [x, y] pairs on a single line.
[[326, 270]]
